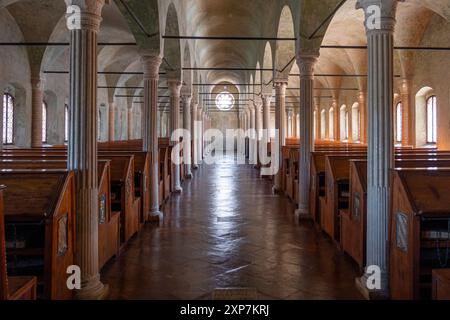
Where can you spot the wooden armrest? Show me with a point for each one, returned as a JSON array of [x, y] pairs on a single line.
[[22, 288]]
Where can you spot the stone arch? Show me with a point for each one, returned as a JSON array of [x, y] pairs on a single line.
[[267, 76], [285, 50], [172, 47]]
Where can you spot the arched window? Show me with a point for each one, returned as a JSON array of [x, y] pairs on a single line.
[[356, 123], [66, 123], [8, 119], [44, 122], [323, 123], [432, 119], [344, 123], [331, 124], [398, 122]]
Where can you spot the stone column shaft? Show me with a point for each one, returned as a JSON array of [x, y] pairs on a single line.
[[254, 141], [130, 124], [259, 128], [37, 99], [380, 147], [111, 121], [151, 64], [174, 89], [306, 65], [280, 114], [187, 126], [195, 137], [82, 146], [266, 110], [406, 112]]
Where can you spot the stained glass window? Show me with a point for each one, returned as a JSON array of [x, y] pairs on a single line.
[[8, 119]]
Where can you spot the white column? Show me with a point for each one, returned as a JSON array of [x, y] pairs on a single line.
[[258, 104], [194, 116], [174, 89], [37, 99], [82, 148], [151, 64], [380, 42], [267, 100], [280, 114], [200, 135], [187, 126], [253, 136], [306, 65]]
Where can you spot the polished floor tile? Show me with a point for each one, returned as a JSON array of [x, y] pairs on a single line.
[[227, 230]]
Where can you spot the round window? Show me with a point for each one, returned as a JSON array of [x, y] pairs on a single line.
[[225, 101]]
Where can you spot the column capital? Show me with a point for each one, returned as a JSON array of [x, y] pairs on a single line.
[[280, 82], [84, 14], [186, 99], [379, 15], [151, 64], [258, 105], [306, 64], [405, 86], [280, 87], [37, 82], [174, 87], [266, 98]]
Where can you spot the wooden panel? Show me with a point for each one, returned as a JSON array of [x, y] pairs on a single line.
[[40, 232], [419, 230], [441, 284]]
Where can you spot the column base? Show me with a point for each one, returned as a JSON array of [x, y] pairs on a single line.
[[276, 190], [302, 214], [195, 167], [93, 290], [177, 189], [189, 176], [155, 216], [361, 286]]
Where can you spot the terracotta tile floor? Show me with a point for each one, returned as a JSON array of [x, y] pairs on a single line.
[[227, 230]]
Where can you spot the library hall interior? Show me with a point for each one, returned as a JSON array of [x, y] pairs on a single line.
[[225, 150]]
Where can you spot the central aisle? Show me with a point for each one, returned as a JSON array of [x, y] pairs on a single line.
[[227, 230]]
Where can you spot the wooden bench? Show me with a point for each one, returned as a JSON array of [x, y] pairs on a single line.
[[40, 227], [353, 226], [441, 284], [12, 288], [337, 184], [109, 222], [141, 177], [123, 197], [419, 230], [317, 178]]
